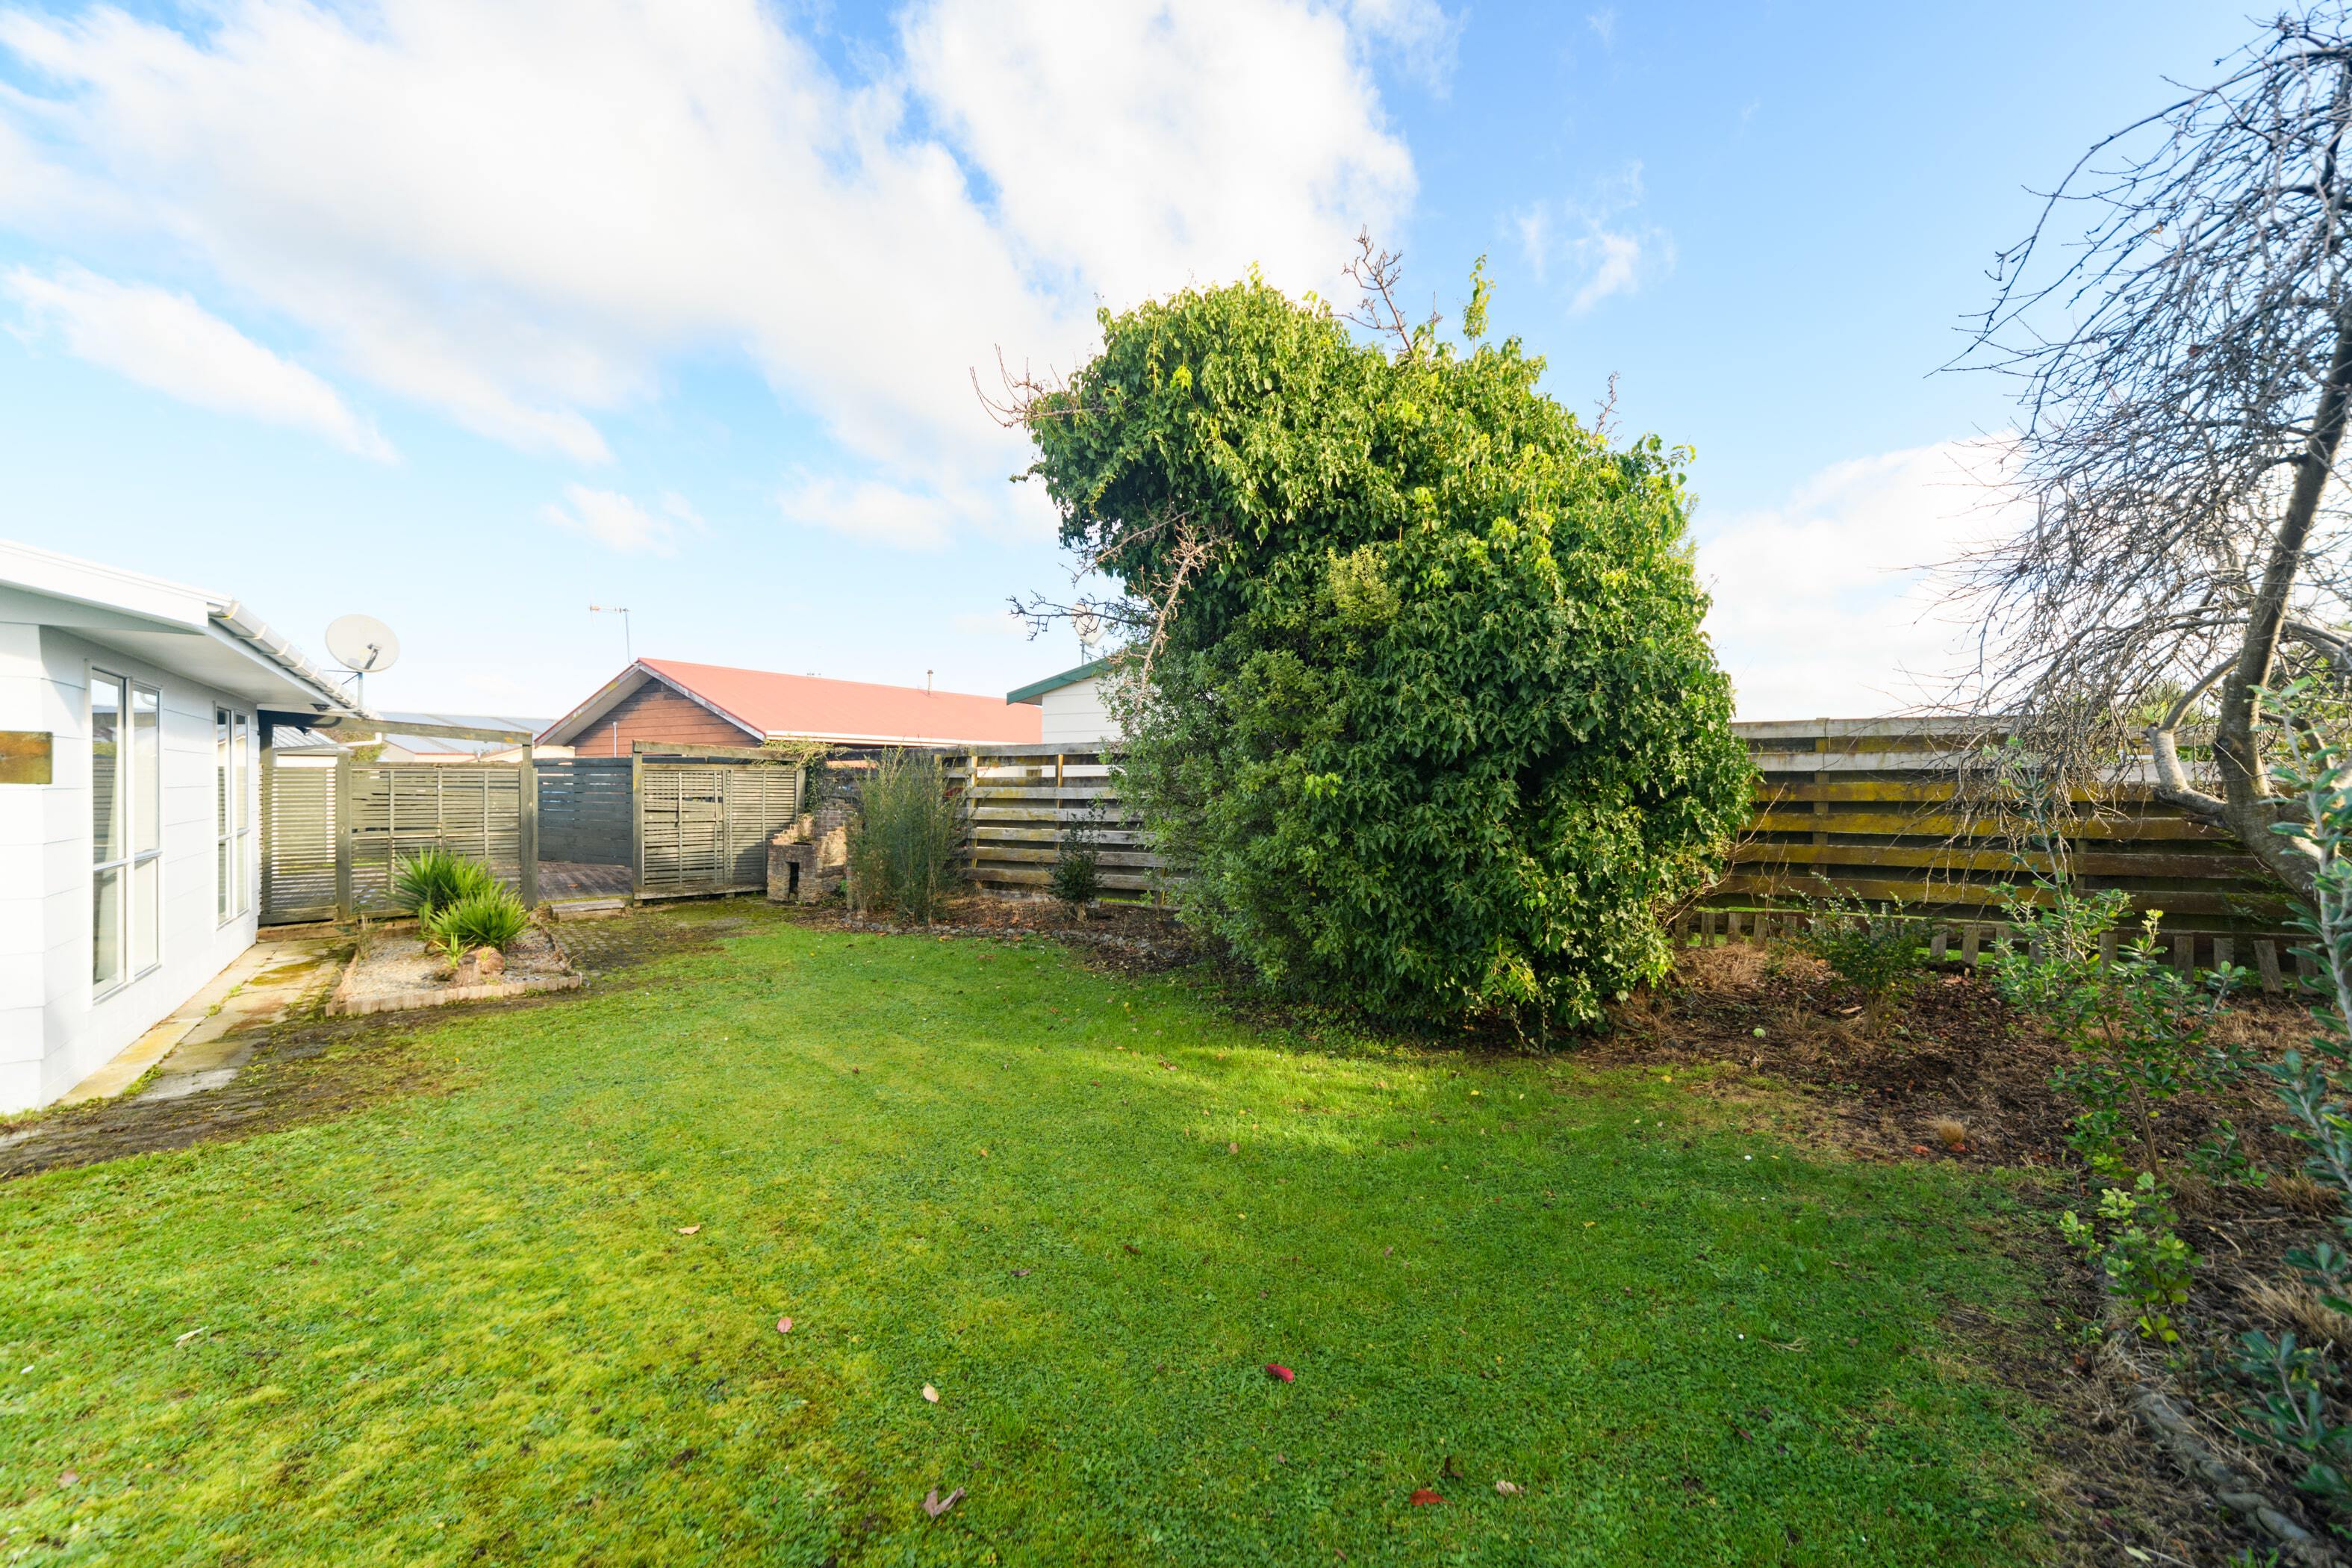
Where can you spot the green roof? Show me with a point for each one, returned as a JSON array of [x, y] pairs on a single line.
[[1036, 689]]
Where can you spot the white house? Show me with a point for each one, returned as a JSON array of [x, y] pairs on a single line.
[[130, 718], [1073, 711]]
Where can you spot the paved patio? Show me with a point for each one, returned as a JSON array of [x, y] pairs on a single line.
[[559, 880]]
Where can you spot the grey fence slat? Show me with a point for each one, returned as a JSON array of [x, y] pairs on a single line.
[[584, 809]]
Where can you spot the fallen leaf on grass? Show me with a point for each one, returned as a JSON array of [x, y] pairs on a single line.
[[1279, 1373], [70, 1479], [1132, 1247], [930, 1394], [1423, 1498], [1020, 1274], [784, 1325], [1506, 1488], [936, 1505], [688, 1229], [184, 1338], [1232, 1148]]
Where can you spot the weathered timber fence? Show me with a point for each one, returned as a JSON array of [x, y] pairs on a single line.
[[584, 810], [333, 829], [1876, 806], [703, 817], [1024, 802]]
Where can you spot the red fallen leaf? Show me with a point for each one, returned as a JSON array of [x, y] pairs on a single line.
[[1919, 1148], [1423, 1498], [784, 1325], [1279, 1373]]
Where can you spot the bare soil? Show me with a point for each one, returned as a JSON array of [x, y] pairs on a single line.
[[396, 964]]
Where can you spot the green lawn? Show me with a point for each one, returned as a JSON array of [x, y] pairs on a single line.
[[466, 1327]]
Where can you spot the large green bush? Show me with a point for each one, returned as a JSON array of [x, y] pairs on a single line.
[[1432, 725]]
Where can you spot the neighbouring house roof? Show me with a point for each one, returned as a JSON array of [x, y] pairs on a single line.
[[207, 637], [1035, 692], [450, 745], [763, 703]]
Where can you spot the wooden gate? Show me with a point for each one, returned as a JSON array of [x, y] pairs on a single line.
[[584, 810], [704, 818], [332, 831]]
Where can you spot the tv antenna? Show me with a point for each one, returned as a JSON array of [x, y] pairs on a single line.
[[628, 644], [361, 644]]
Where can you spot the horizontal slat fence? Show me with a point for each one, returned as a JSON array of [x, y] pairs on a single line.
[[584, 810], [393, 810], [1878, 809], [1876, 806], [1021, 801]]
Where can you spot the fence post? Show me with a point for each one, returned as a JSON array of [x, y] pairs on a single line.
[[341, 819], [637, 823], [526, 825]]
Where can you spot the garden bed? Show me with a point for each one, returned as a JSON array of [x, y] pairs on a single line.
[[394, 973]]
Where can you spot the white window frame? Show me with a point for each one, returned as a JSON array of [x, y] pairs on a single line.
[[132, 756], [232, 813]]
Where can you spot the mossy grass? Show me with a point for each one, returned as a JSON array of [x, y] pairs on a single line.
[[1087, 1210]]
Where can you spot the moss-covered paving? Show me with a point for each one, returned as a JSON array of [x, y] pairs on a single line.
[[535, 1317]]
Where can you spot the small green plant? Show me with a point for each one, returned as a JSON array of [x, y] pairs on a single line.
[[487, 917], [2291, 1414], [1077, 872], [2138, 1033], [1873, 949], [2134, 1245], [432, 878], [902, 853]]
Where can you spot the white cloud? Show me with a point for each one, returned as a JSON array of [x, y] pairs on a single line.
[[1598, 249], [520, 210], [1604, 24], [170, 342], [989, 624], [1827, 605], [613, 521], [865, 509]]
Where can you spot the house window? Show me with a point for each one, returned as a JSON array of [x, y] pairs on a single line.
[[233, 815], [126, 793]]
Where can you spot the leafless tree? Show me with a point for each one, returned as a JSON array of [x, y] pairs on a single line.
[[2180, 324]]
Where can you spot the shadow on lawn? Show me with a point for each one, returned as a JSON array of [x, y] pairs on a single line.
[[311, 1068]]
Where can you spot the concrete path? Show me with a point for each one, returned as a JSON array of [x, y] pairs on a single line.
[[212, 1034]]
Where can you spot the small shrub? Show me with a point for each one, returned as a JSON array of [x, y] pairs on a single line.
[[434, 878], [902, 852], [487, 917], [1077, 873], [1874, 949], [2139, 1250]]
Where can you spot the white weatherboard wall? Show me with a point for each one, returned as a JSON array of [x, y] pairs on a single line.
[[74, 1031], [26, 702], [1075, 714]]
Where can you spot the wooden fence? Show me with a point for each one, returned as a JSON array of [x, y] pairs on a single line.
[[1025, 800], [584, 810], [704, 816], [333, 828], [1875, 806]]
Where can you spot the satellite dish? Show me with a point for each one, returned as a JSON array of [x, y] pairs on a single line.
[[1088, 627], [363, 644]]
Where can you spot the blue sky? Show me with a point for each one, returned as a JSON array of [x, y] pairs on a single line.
[[469, 313]]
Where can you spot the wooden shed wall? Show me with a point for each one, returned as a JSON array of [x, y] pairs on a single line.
[[655, 712]]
